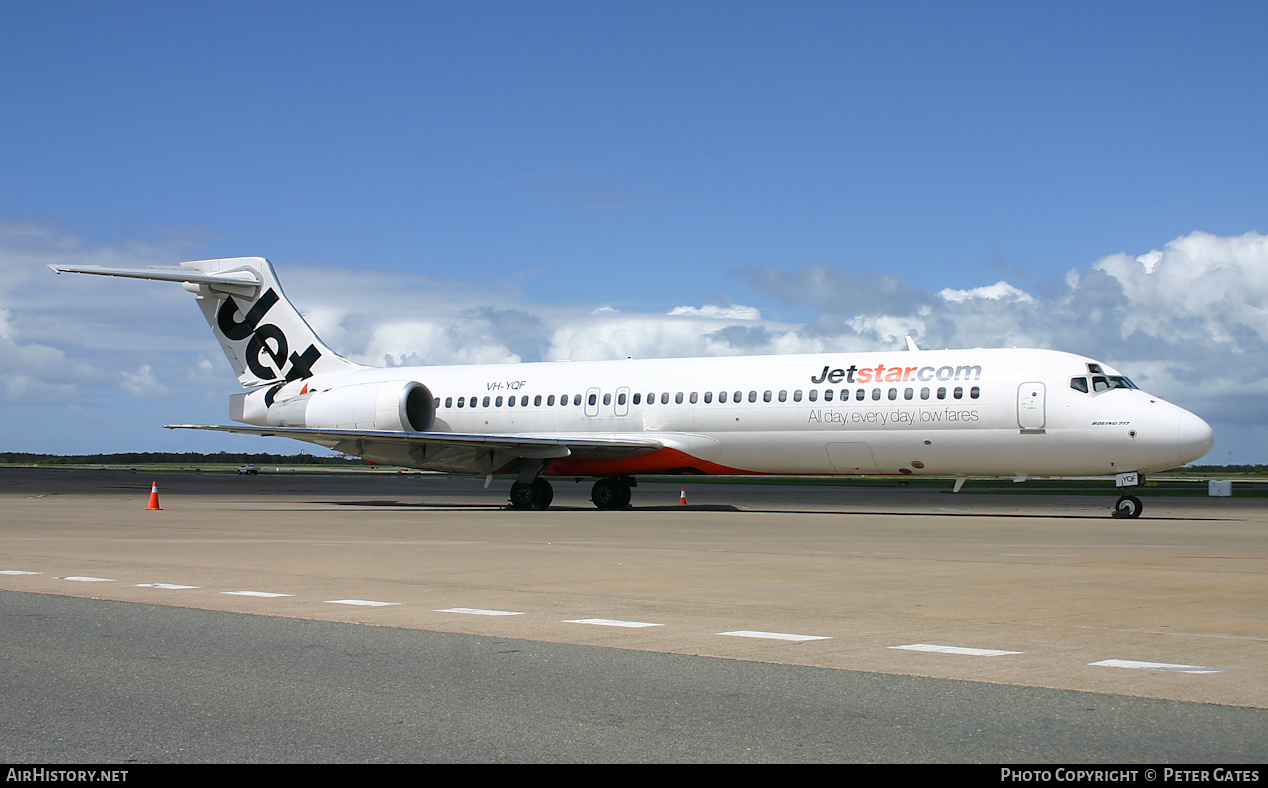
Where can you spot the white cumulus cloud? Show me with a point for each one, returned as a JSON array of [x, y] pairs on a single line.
[[732, 312], [1000, 291], [143, 383]]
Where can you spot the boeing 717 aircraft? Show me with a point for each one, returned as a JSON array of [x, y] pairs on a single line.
[[994, 412]]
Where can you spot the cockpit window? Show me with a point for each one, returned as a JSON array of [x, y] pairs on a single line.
[[1111, 381], [1101, 381], [1107, 382]]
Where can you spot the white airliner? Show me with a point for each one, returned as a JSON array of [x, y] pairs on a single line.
[[961, 413]]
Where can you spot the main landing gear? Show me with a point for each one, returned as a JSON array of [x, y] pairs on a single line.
[[612, 492], [536, 494], [1128, 506]]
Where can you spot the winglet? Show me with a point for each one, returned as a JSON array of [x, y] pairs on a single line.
[[911, 343]]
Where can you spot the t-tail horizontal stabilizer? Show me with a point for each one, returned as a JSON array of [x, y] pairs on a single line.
[[263, 335]]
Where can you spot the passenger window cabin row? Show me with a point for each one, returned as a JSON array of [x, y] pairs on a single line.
[[722, 397]]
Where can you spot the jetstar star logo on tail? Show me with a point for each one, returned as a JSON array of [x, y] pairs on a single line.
[[883, 374]]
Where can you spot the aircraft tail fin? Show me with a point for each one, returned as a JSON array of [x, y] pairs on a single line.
[[263, 335]]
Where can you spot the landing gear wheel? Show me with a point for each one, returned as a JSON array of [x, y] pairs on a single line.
[[531, 495], [522, 495], [611, 493], [1128, 507], [543, 493]]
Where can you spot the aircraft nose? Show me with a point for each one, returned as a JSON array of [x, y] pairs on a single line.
[[1194, 437]]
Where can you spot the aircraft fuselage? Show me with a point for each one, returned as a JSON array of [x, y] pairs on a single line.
[[994, 412]]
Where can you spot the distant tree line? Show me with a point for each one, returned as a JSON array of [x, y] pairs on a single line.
[[1259, 469], [175, 458]]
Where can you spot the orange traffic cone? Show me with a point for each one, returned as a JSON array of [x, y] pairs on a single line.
[[682, 497], [154, 506]]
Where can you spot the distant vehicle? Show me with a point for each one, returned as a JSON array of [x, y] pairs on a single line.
[[248, 470], [980, 412]]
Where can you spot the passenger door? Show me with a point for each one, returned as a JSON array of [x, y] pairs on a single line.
[[1030, 406]]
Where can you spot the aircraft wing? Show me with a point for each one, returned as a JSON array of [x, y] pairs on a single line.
[[448, 451]]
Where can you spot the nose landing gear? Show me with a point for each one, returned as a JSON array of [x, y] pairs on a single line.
[[1127, 506]]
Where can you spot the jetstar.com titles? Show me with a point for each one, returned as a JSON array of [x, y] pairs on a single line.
[[883, 374]]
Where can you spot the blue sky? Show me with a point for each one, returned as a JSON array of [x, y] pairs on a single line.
[[820, 163]]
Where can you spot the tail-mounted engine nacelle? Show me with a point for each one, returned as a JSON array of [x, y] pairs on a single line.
[[397, 405]]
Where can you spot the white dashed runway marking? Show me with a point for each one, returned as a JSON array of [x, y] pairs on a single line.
[[972, 652], [749, 633], [1163, 666], [254, 593], [607, 622], [362, 602]]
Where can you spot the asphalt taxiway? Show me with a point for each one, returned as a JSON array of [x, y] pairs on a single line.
[[1030, 605]]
